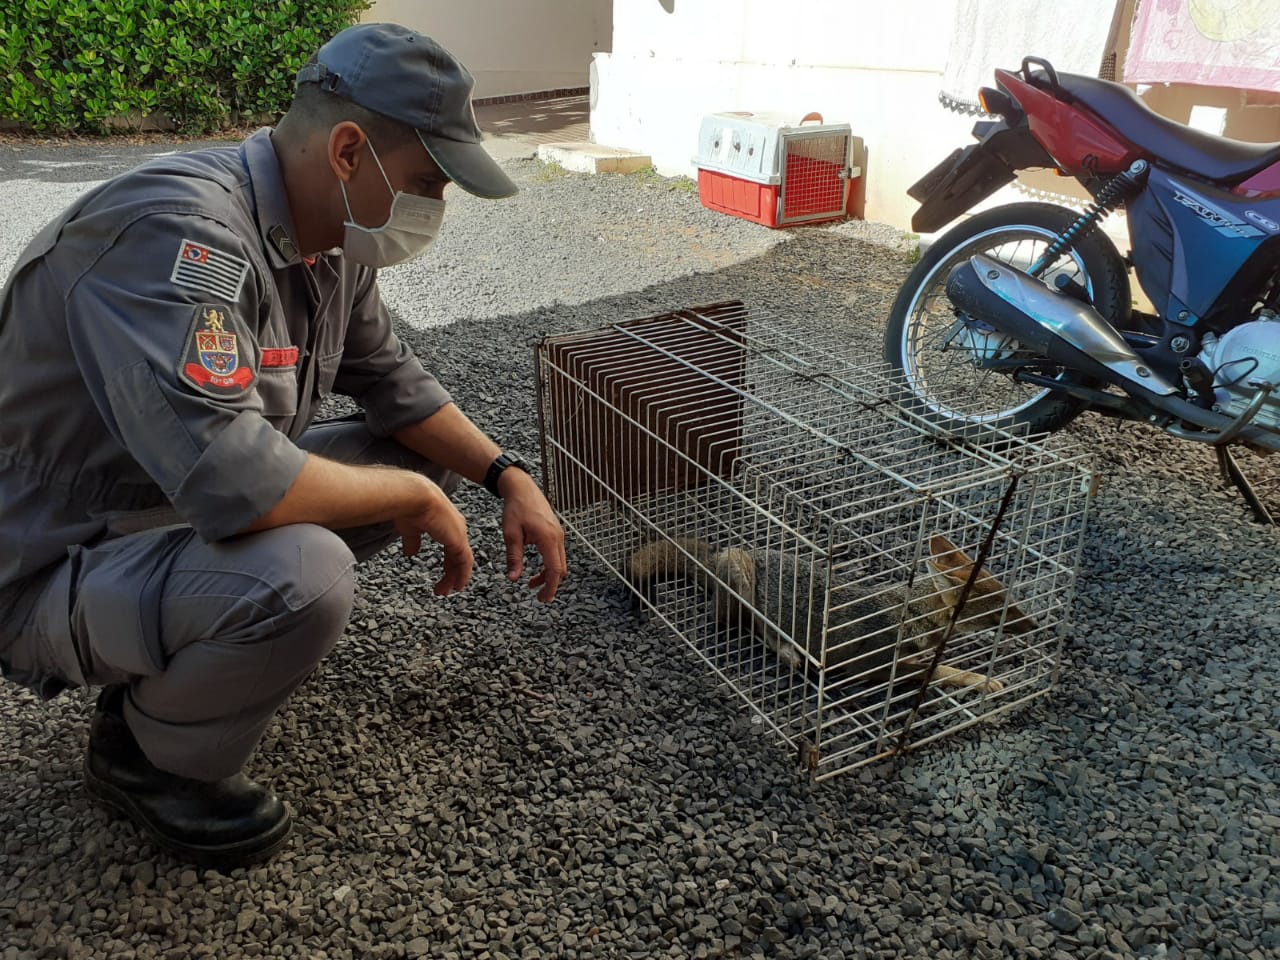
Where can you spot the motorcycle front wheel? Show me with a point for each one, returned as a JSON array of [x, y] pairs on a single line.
[[941, 356]]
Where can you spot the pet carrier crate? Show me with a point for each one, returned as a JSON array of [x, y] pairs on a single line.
[[863, 582], [766, 168]]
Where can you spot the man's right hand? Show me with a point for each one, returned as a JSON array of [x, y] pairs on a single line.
[[342, 495]]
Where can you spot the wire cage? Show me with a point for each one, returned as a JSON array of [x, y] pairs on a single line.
[[864, 582]]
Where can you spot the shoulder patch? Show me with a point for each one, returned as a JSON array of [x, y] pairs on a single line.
[[205, 268], [217, 360]]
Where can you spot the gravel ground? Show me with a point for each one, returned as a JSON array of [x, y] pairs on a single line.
[[488, 777]]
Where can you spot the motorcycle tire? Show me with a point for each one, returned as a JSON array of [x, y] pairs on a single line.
[[943, 383]]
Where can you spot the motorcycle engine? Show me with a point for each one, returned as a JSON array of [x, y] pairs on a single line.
[[1240, 357]]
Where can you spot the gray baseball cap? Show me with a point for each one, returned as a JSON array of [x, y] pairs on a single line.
[[407, 76]]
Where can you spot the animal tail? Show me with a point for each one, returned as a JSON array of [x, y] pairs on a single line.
[[661, 561], [727, 576]]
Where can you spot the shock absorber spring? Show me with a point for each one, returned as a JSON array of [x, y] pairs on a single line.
[[1116, 190]]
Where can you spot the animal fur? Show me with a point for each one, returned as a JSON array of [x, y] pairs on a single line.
[[754, 590]]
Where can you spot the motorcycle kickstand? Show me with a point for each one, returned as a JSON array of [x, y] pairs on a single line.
[[1232, 474]]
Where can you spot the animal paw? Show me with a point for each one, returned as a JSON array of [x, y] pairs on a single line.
[[987, 685]]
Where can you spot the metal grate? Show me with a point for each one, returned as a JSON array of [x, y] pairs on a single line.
[[813, 528], [814, 180]]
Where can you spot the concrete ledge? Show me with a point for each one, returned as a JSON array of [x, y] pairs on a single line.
[[593, 158]]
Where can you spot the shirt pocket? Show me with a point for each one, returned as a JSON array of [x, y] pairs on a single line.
[[278, 391]]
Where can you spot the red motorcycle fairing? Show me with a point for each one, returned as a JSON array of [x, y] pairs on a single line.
[[1204, 156], [1079, 143]]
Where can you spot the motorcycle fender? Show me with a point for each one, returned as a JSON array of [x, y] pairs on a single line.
[[973, 173]]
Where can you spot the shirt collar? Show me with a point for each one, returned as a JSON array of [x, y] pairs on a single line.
[[271, 202]]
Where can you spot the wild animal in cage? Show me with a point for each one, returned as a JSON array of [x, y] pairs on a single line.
[[861, 581]]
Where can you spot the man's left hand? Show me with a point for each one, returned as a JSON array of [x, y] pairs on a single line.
[[527, 518]]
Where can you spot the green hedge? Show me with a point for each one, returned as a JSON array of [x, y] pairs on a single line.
[[91, 65]]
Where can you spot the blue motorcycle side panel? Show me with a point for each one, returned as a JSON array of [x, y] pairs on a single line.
[[1191, 239]]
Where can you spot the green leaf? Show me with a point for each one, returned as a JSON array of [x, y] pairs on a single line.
[[74, 64]]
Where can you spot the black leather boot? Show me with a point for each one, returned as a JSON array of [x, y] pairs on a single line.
[[226, 823]]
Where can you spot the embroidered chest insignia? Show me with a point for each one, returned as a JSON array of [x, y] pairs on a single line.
[[212, 361]]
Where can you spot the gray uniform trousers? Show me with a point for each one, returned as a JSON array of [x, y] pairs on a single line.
[[211, 637]]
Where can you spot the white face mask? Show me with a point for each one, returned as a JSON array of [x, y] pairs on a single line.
[[412, 224]]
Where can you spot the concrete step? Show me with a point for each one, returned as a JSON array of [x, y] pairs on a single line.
[[593, 157]]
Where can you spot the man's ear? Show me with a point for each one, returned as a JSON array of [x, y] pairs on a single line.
[[346, 141]]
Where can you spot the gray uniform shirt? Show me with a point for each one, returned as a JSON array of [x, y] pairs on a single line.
[[161, 346]]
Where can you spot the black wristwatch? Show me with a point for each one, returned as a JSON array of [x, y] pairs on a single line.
[[503, 461]]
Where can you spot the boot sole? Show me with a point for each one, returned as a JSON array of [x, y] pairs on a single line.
[[241, 853]]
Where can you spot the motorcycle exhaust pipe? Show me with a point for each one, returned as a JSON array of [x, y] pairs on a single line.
[[1062, 328], [1073, 334]]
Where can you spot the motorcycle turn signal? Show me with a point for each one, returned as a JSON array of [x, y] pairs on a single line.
[[995, 102]]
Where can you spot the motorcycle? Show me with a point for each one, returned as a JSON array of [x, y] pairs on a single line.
[[1021, 316]]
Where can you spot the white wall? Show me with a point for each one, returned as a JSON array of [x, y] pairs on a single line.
[[511, 46], [873, 65], [908, 35]]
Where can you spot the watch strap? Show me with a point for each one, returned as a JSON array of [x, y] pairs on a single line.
[[500, 463]]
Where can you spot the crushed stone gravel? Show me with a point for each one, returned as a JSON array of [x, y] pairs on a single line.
[[485, 776]]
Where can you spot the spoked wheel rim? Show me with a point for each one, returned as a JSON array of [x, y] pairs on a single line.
[[946, 379]]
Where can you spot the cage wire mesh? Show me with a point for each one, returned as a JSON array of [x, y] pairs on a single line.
[[863, 582], [814, 176]]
